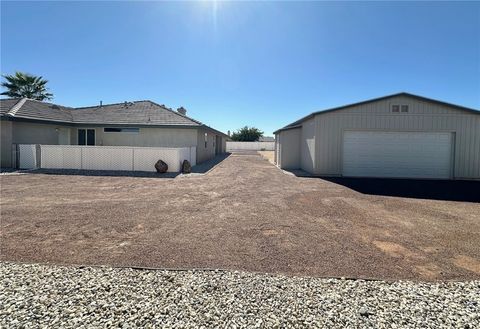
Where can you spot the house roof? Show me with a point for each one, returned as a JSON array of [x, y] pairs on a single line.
[[138, 112], [7, 104], [297, 123], [145, 113]]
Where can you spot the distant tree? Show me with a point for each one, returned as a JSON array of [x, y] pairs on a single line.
[[247, 134], [21, 85]]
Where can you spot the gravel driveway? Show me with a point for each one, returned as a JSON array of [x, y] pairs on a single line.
[[245, 214], [72, 297]]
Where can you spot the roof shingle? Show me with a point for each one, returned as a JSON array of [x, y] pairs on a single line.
[[134, 113]]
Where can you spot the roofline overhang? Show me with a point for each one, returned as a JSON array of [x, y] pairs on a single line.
[[98, 124], [296, 124]]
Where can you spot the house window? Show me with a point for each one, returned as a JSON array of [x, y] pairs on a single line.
[[396, 108], [86, 137], [206, 139], [404, 108], [121, 130]]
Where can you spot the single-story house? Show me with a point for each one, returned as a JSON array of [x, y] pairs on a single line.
[[396, 136], [139, 123]]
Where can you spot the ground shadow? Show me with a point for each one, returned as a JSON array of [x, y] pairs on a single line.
[[448, 190], [104, 173], [201, 168], [206, 166]]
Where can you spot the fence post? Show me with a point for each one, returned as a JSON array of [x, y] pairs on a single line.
[[38, 156], [81, 158], [15, 157], [133, 159]]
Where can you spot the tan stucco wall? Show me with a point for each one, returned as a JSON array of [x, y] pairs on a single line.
[[208, 152], [38, 133], [6, 144], [35, 133], [146, 137], [14, 132]]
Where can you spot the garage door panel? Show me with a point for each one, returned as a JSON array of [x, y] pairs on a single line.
[[397, 154]]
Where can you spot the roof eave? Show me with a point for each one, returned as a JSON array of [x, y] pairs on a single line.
[[425, 99]]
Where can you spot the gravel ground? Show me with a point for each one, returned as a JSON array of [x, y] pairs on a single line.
[[244, 215], [60, 296]]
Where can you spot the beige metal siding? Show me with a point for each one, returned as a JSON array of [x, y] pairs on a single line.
[[289, 148], [377, 116], [307, 147], [276, 151]]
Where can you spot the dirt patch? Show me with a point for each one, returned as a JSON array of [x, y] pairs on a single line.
[[269, 155], [468, 263], [245, 214]]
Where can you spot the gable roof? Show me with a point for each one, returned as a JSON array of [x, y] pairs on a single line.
[[6, 104], [36, 110], [145, 113], [297, 123], [138, 112]]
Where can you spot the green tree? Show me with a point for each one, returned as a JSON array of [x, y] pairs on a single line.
[[21, 85], [247, 134]]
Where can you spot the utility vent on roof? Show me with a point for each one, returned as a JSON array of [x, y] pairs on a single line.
[[182, 110]]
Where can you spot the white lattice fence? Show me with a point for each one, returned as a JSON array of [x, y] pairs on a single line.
[[107, 158], [61, 157], [27, 156], [251, 146], [145, 158], [114, 157]]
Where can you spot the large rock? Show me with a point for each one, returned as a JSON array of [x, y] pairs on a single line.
[[161, 167], [186, 167]]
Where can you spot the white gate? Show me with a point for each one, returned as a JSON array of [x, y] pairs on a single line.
[[27, 156]]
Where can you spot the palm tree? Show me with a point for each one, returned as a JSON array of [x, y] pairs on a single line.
[[21, 85]]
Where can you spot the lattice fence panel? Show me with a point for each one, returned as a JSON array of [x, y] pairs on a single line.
[[145, 158], [112, 157], [27, 156], [61, 156], [107, 158]]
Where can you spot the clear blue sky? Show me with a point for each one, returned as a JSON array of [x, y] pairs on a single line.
[[231, 64]]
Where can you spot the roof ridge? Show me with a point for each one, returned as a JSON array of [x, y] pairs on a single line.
[[17, 106], [42, 102], [177, 113], [119, 103], [371, 100]]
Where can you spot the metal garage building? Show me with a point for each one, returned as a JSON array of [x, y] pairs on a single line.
[[396, 136]]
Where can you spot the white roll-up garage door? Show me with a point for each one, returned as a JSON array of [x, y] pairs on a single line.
[[397, 154]]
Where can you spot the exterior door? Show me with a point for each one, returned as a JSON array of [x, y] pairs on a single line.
[[397, 154], [86, 136]]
